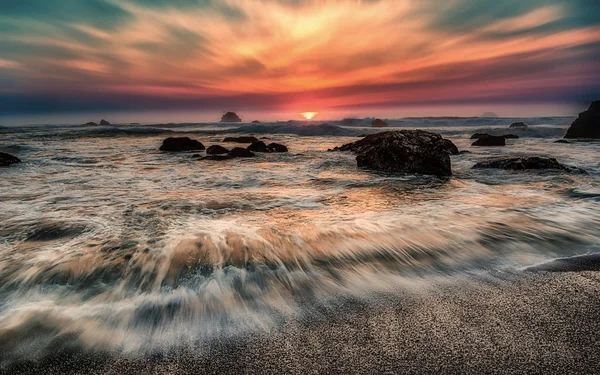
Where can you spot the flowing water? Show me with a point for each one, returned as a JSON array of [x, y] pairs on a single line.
[[108, 242]]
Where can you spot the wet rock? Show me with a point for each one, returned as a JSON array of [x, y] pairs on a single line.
[[490, 140], [216, 149], [525, 163], [404, 151], [243, 139], [587, 125], [562, 141], [450, 147], [255, 122], [379, 123], [178, 144], [486, 135], [238, 152], [91, 123], [277, 147], [479, 135], [464, 152], [259, 146], [520, 125], [8, 159], [217, 157], [230, 117], [104, 122]]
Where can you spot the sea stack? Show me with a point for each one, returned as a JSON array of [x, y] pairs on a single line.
[[230, 117], [379, 123], [104, 122], [587, 125]]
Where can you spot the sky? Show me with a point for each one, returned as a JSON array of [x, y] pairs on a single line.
[[402, 57]]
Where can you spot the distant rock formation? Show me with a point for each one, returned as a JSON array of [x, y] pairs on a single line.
[[489, 114], [230, 117], [255, 122], [379, 123], [243, 139], [8, 159], [525, 163], [216, 149], [486, 135], [178, 144], [91, 123], [349, 121], [520, 125], [490, 140], [587, 125], [404, 151], [104, 122]]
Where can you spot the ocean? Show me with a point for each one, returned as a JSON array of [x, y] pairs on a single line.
[[110, 246]]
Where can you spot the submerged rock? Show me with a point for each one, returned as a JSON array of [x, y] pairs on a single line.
[[519, 124], [258, 146], [486, 135], [562, 141], [525, 163], [587, 125], [218, 157], [8, 159], [177, 144], [230, 117], [378, 123], [243, 139], [104, 122], [404, 151], [238, 152], [490, 140], [277, 147], [216, 149]]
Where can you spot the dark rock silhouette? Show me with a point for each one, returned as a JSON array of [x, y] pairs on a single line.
[[486, 135], [404, 151], [91, 123], [238, 152], [587, 125], [525, 163], [104, 122], [216, 149], [255, 122], [490, 140], [489, 114], [562, 141], [277, 147], [450, 147], [177, 144], [258, 146], [8, 159], [510, 136], [378, 123], [464, 152], [244, 139], [520, 125], [230, 117], [217, 157]]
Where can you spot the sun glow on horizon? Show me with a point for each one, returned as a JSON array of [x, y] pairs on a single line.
[[309, 115]]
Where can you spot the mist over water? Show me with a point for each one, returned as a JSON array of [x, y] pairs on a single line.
[[112, 244]]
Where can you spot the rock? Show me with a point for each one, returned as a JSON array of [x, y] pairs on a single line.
[[450, 147], [8, 159], [562, 141], [486, 135], [238, 152], [525, 163], [277, 147], [104, 122], [520, 125], [587, 125], [216, 149], [230, 117], [378, 123], [404, 151], [490, 140], [241, 139], [217, 157], [489, 114], [91, 123], [510, 136], [258, 146], [255, 122], [178, 144], [464, 152], [349, 121]]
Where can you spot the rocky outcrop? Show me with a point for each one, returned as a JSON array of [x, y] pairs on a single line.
[[378, 123], [518, 125], [238, 152], [216, 149], [104, 122], [404, 151], [525, 163], [244, 139], [258, 146], [562, 141], [486, 135], [490, 140], [178, 144], [277, 147], [230, 117], [8, 159], [587, 125], [510, 136], [450, 147], [255, 122], [91, 123]]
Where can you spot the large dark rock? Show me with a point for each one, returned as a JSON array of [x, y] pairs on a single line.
[[178, 144], [525, 163], [510, 136], [104, 122], [243, 139], [277, 147], [8, 159], [404, 151], [520, 125], [259, 146], [91, 123], [216, 149], [238, 152], [587, 125], [378, 123], [230, 117], [491, 140]]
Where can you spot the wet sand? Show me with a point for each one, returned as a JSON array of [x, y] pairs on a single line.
[[533, 321]]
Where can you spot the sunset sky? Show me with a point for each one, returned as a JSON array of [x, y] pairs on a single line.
[[289, 56]]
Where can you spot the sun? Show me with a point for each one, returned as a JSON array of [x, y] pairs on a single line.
[[309, 115]]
